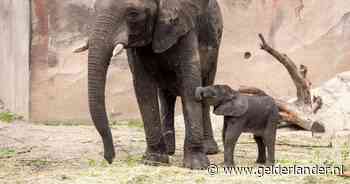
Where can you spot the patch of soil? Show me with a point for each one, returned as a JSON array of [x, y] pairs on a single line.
[[32, 153]]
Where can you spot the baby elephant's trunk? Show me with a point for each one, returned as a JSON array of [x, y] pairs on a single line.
[[199, 93]]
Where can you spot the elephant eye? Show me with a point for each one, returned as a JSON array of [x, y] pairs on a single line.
[[133, 15]]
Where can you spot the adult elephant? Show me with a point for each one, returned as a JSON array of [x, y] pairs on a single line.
[[172, 48]]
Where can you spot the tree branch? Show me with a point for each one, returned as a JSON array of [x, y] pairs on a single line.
[[298, 76]]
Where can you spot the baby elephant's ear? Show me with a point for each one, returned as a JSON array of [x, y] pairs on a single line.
[[235, 107]]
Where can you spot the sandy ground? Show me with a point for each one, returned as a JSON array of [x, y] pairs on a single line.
[[48, 154]]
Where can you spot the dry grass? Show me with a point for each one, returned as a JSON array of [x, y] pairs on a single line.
[[71, 154]]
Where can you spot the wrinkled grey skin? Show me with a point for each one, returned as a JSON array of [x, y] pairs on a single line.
[[172, 48], [256, 114]]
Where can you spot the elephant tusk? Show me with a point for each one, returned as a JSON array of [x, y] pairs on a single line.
[[118, 49], [82, 48]]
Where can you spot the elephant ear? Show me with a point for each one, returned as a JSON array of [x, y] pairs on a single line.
[[236, 107], [175, 19]]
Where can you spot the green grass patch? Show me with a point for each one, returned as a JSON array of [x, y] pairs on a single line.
[[345, 152], [9, 117], [287, 162], [65, 123], [38, 163], [200, 180], [95, 163], [139, 179], [92, 163], [135, 124], [7, 153], [132, 161]]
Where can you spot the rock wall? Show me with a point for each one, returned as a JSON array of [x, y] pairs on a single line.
[[14, 55], [304, 31]]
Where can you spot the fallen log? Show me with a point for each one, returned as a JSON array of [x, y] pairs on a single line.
[[302, 118], [302, 111]]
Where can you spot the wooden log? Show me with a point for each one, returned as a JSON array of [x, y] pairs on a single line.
[[299, 116], [252, 90], [346, 174], [317, 100]]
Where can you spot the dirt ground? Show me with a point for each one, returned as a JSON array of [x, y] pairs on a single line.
[[57, 153]]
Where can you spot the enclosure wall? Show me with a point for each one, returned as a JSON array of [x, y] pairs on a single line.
[[298, 28], [14, 55]]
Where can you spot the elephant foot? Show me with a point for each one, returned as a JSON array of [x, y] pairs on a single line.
[[169, 138], [155, 159], [195, 159], [260, 161], [269, 164], [229, 165], [210, 146], [156, 155]]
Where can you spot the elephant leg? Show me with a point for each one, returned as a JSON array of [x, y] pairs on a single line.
[[233, 131], [270, 145], [167, 106], [146, 91], [185, 56], [146, 95], [224, 131], [210, 145], [194, 155], [270, 136], [261, 149]]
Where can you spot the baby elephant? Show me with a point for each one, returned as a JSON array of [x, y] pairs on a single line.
[[242, 113]]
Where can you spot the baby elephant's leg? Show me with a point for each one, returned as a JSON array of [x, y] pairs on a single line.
[[270, 137], [224, 131], [233, 131], [261, 149], [270, 145]]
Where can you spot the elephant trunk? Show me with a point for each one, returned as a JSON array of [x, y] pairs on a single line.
[[199, 93], [100, 52]]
